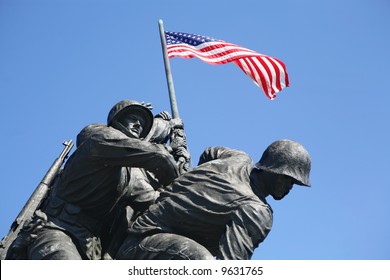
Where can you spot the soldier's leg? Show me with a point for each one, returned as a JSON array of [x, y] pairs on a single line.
[[163, 246], [53, 244]]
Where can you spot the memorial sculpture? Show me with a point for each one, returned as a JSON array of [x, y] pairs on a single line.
[[219, 208], [127, 192], [112, 167]]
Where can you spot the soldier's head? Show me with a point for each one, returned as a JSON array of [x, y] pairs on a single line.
[[283, 164], [131, 117]]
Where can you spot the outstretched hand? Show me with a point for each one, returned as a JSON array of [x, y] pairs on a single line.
[[164, 115], [147, 105]]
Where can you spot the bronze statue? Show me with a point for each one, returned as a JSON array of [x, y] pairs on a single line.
[[219, 208], [126, 193], [113, 167]]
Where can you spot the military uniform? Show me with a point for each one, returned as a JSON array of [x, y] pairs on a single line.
[[107, 168], [213, 206]]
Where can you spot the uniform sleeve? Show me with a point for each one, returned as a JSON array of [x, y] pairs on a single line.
[[111, 147], [213, 153], [249, 227]]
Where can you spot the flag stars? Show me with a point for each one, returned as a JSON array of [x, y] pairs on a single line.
[[186, 38]]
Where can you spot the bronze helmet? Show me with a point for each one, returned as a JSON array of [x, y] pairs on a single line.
[[131, 107], [289, 158]]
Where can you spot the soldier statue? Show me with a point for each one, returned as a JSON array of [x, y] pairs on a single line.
[[218, 210], [113, 167]]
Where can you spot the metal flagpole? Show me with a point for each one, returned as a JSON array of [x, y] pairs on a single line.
[[168, 73], [179, 139]]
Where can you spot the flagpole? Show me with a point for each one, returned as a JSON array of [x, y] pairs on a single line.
[[168, 73]]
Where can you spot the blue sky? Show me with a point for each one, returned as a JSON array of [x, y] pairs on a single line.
[[63, 64]]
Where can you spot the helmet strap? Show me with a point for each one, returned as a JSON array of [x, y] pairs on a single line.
[[116, 124]]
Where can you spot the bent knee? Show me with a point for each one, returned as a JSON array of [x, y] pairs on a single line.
[[173, 246]]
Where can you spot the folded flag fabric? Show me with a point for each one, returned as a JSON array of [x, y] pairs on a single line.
[[267, 72]]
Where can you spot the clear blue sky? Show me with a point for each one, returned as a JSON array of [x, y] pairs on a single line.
[[63, 64]]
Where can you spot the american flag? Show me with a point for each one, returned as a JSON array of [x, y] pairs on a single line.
[[267, 72]]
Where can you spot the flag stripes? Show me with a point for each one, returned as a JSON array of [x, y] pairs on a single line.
[[268, 73]]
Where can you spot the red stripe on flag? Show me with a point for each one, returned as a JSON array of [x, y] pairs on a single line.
[[267, 72]]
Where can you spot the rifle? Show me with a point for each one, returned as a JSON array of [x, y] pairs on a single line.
[[35, 200]]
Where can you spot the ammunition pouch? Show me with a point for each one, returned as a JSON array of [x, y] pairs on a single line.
[[72, 214]]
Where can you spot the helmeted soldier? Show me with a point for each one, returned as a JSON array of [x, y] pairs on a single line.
[[286, 157], [112, 164], [219, 208]]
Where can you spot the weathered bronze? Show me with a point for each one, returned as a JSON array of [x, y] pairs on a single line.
[[127, 192], [219, 208], [113, 174], [35, 200]]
